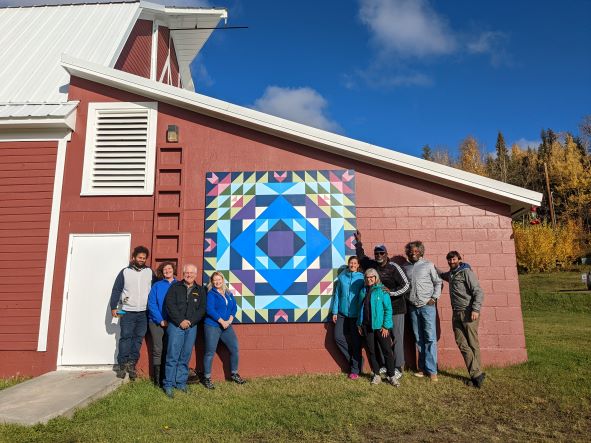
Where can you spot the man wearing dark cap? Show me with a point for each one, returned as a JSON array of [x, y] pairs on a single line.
[[394, 278]]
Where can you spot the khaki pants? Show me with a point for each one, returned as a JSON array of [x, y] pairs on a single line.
[[466, 334]]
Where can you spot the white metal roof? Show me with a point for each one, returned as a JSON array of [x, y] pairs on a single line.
[[518, 198], [34, 38]]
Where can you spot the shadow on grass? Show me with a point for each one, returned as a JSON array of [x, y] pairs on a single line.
[[459, 377]]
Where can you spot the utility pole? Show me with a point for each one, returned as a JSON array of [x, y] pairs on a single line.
[[550, 199]]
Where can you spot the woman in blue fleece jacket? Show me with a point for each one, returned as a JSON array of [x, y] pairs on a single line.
[[220, 312], [345, 309], [158, 320]]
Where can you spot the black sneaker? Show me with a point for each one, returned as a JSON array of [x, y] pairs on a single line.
[[237, 379], [208, 383], [478, 381], [131, 371], [121, 370]]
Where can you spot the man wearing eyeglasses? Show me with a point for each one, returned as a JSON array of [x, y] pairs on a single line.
[[393, 278], [185, 306]]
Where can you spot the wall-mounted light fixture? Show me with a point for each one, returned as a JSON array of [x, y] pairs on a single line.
[[172, 134]]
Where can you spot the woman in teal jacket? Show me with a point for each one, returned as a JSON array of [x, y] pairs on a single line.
[[374, 323], [345, 310]]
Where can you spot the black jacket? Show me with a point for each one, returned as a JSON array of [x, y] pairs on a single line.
[[181, 305], [392, 277]]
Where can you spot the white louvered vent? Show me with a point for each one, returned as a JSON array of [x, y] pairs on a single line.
[[120, 148]]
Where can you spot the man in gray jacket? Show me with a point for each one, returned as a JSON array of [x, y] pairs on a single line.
[[425, 289], [466, 301]]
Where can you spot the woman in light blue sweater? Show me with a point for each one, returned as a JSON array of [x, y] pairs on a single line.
[[345, 309]]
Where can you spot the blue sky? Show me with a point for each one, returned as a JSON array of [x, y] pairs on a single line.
[[401, 73]]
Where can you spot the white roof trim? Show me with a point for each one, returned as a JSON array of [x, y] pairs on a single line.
[[38, 115], [518, 198]]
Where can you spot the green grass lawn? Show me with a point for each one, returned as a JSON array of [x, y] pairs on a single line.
[[546, 398], [8, 382]]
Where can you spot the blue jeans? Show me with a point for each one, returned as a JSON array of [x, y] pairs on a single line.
[[178, 354], [425, 331], [213, 334], [133, 330]]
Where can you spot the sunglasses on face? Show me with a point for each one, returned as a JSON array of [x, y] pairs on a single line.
[[379, 253]]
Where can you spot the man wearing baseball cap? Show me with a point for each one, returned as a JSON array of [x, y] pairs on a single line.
[[393, 278]]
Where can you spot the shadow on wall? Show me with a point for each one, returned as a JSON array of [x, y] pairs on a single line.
[[112, 328]]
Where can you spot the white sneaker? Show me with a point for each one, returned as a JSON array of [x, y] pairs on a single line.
[[397, 374], [376, 379], [394, 381], [383, 370]]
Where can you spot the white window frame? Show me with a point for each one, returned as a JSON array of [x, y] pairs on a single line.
[[87, 189]]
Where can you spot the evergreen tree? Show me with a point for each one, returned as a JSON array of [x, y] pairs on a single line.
[[502, 161], [427, 153]]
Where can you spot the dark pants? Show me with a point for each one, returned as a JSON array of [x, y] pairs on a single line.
[[159, 341], [374, 341], [466, 334], [133, 330], [213, 334], [348, 341]]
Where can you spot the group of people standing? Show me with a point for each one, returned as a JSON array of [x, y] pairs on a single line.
[[373, 305], [171, 310], [368, 308]]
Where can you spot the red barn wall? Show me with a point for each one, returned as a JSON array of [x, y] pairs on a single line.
[[26, 190], [136, 55], [392, 208]]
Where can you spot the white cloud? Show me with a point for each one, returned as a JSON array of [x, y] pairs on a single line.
[[407, 27], [378, 77], [302, 105], [524, 144], [409, 32], [200, 74], [491, 43]]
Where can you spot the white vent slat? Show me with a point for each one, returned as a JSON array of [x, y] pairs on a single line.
[[122, 131], [106, 150], [106, 162], [133, 142]]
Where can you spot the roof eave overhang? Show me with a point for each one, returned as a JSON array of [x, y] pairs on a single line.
[[517, 198], [167, 15], [67, 123]]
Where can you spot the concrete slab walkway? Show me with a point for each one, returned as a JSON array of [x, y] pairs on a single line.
[[58, 393]]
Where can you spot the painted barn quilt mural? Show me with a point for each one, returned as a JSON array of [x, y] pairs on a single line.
[[280, 238]]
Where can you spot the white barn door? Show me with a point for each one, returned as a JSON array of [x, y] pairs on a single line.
[[89, 334]]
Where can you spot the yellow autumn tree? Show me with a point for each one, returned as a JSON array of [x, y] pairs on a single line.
[[570, 179], [471, 156], [543, 248]]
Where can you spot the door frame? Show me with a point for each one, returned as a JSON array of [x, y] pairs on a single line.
[[71, 239]]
